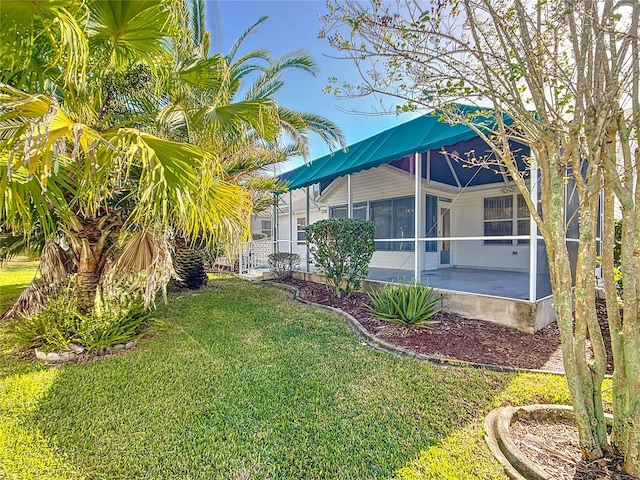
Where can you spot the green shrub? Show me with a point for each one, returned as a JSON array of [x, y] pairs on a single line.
[[114, 321], [283, 263], [342, 248], [413, 304]]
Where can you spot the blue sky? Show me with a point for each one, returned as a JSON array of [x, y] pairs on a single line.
[[294, 25]]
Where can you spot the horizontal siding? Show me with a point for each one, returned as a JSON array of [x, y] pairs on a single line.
[[374, 184], [467, 214]]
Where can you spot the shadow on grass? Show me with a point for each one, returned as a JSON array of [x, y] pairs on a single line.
[[247, 384]]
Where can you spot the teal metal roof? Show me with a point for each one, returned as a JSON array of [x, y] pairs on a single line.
[[419, 135]]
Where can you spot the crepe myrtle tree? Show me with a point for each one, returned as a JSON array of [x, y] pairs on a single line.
[[564, 78]]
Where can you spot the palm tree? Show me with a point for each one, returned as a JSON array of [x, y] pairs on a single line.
[[80, 154], [208, 91]]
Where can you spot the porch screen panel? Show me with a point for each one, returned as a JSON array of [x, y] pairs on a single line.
[[403, 223], [498, 219], [382, 216], [524, 226], [432, 223]]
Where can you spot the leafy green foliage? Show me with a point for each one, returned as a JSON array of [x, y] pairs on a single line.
[[283, 263], [342, 248], [114, 321], [413, 305]]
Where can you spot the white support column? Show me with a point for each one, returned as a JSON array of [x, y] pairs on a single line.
[[417, 254], [274, 222], [533, 233], [290, 221], [349, 197], [307, 215]]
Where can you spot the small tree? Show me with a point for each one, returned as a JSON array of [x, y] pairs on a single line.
[[342, 249]]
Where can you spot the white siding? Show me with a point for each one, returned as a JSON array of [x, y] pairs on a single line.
[[374, 184], [467, 214]]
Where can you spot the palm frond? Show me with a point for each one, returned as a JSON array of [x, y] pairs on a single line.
[[143, 266], [210, 73], [123, 32], [38, 37], [259, 114], [197, 19], [56, 266], [231, 54]]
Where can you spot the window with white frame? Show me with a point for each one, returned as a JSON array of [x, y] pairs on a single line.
[[394, 218], [301, 225], [340, 211], [501, 219], [265, 227]]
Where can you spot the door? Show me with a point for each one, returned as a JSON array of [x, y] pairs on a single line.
[[445, 231]]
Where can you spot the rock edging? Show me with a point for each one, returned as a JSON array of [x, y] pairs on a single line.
[[372, 341], [76, 352]]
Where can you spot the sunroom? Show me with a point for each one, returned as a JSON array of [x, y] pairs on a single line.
[[474, 234]]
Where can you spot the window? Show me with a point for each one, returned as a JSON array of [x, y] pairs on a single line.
[[301, 225], [501, 219], [394, 218], [340, 211], [266, 227]]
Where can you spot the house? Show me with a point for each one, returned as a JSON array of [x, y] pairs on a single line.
[[474, 234]]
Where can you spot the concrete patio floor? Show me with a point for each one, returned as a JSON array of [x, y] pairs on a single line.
[[496, 283]]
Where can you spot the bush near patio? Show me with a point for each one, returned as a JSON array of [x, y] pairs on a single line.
[[342, 248], [282, 264]]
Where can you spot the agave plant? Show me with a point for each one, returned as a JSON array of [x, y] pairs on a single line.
[[413, 304]]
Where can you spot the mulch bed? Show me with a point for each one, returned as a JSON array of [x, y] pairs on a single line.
[[456, 337], [554, 447]]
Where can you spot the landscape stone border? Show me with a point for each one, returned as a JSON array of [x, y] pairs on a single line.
[[76, 352], [372, 341], [516, 464]]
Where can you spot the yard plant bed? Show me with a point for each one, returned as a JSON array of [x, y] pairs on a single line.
[[553, 445], [456, 337]]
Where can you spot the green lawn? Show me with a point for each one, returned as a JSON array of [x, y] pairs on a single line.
[[246, 384], [14, 277]]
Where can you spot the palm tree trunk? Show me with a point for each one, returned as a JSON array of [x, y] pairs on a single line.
[[188, 263], [91, 243]]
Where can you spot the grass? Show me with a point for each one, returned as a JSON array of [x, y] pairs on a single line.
[[245, 384], [14, 278]]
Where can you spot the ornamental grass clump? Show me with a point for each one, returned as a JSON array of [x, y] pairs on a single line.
[[116, 320], [412, 305]]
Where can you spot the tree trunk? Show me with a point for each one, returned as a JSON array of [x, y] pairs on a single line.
[[91, 242], [189, 265], [580, 382]]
